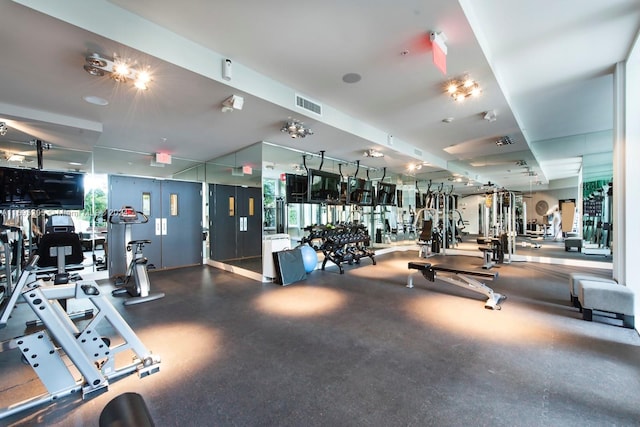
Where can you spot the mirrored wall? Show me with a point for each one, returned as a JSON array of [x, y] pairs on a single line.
[[264, 166]]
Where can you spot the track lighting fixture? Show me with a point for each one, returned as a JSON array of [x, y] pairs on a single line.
[[296, 129], [3, 129], [373, 153], [118, 69], [461, 89]]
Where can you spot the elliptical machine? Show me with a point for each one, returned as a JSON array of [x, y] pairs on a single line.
[[137, 263]]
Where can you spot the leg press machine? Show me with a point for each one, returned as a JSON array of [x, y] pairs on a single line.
[[52, 351]]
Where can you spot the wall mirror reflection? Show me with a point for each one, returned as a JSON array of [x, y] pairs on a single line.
[[274, 195]]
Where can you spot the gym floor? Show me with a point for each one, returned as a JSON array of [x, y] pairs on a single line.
[[361, 349]]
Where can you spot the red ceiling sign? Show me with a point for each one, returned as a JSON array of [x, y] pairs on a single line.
[[439, 50], [439, 58]]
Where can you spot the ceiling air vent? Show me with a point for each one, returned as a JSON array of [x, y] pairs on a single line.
[[308, 105], [417, 152]]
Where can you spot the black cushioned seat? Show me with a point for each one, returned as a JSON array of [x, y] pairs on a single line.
[[49, 257]]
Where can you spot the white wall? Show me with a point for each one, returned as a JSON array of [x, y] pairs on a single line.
[[551, 197], [468, 208], [629, 141]]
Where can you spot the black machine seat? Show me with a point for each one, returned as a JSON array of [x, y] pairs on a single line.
[[425, 234], [60, 251], [138, 243], [47, 249], [60, 248]]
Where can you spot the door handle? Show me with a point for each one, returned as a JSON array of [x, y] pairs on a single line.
[[158, 227], [164, 226]]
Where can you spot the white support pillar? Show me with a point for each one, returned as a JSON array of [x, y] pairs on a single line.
[[619, 176], [626, 184]]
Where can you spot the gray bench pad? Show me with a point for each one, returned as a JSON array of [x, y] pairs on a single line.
[[604, 296], [575, 277]]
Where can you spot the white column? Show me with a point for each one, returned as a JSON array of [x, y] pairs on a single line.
[[619, 175], [626, 184]]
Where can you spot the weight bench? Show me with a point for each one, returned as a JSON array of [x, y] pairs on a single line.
[[461, 278], [487, 254], [492, 251]]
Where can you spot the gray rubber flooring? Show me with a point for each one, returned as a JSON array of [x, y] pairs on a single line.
[[361, 349]]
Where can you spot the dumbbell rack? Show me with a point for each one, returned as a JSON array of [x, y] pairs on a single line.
[[345, 243]]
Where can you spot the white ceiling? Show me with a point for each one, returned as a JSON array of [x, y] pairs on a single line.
[[545, 68]]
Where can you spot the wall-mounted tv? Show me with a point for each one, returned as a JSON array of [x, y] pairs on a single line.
[[324, 187], [386, 194], [40, 189], [296, 188], [359, 191]]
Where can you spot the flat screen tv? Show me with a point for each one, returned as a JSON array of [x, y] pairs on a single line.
[[296, 188], [386, 195], [359, 191], [40, 189], [324, 187]]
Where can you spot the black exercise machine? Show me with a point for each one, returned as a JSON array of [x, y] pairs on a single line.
[[493, 250], [137, 263], [461, 278], [60, 252]]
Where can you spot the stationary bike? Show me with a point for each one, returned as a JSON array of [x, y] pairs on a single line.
[[137, 263]]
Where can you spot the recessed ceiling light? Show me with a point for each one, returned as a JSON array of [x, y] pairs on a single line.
[[95, 100], [447, 120], [351, 78], [75, 164]]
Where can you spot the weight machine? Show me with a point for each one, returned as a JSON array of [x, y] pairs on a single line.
[[598, 228], [439, 210], [57, 352], [11, 254], [499, 221]]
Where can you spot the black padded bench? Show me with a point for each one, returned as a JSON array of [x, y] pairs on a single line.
[[461, 278], [485, 274], [493, 250], [487, 255]]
